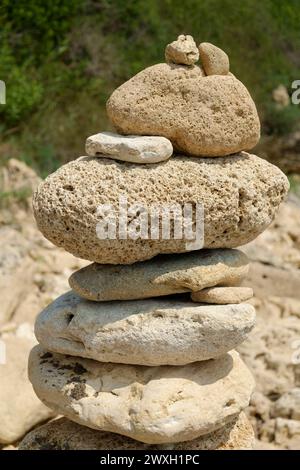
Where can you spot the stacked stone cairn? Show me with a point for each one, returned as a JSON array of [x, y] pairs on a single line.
[[140, 353]]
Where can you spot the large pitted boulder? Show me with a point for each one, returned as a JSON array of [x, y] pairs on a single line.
[[240, 196], [146, 332], [201, 115], [63, 434], [155, 405]]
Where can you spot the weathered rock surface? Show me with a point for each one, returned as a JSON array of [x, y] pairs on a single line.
[[240, 195], [162, 275], [131, 148], [287, 433], [201, 115], [288, 405], [16, 271], [223, 295], [20, 409], [182, 51], [63, 434], [213, 59], [155, 405], [146, 332]]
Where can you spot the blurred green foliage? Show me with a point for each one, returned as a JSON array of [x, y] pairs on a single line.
[[60, 59]]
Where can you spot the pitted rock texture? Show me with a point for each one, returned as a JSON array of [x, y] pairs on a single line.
[[223, 295], [213, 59], [201, 115], [163, 275], [145, 332], [182, 51], [131, 148], [63, 434], [240, 196], [150, 404]]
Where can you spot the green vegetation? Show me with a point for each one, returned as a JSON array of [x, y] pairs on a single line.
[[60, 59]]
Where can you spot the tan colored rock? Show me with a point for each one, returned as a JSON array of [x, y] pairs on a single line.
[[182, 51], [206, 116], [288, 405], [20, 409], [129, 148], [16, 270], [287, 433], [162, 275], [268, 280], [63, 434], [281, 96], [213, 59], [146, 332], [240, 196], [223, 295], [155, 405]]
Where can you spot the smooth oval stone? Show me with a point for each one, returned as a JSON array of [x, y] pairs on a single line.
[[213, 59], [150, 404], [63, 434], [146, 332], [201, 115], [240, 196], [130, 148], [223, 295], [162, 275]]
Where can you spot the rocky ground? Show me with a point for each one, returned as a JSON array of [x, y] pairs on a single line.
[[33, 273]]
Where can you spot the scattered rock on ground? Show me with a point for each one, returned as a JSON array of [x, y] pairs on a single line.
[[20, 409]]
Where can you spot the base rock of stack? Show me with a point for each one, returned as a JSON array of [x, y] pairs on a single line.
[[145, 332], [163, 275], [150, 404], [240, 195], [63, 434], [201, 115]]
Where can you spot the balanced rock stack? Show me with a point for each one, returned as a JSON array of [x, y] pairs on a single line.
[[143, 345]]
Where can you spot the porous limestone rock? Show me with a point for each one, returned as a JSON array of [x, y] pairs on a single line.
[[162, 275], [182, 51], [145, 332], [240, 196], [155, 405], [213, 59], [223, 295], [63, 434], [201, 115], [130, 148]]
